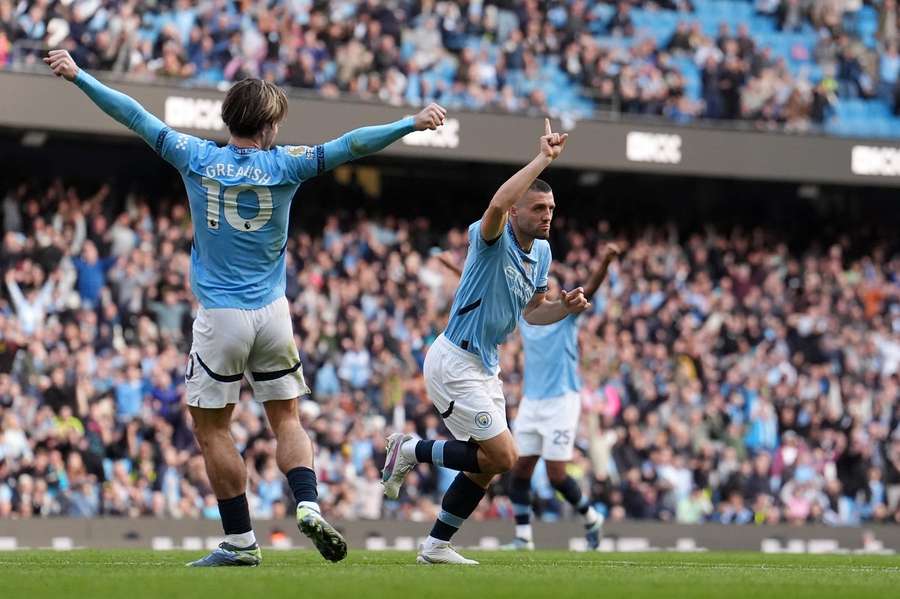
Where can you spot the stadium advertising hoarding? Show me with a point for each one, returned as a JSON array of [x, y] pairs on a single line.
[[163, 534], [39, 102]]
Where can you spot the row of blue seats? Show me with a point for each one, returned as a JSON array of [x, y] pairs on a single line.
[[867, 127], [855, 109], [851, 117]]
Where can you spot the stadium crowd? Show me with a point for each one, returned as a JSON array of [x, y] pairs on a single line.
[[727, 377], [481, 54]]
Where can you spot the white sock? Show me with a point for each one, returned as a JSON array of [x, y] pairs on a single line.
[[523, 531], [591, 516], [408, 449], [312, 505], [431, 542], [242, 540]]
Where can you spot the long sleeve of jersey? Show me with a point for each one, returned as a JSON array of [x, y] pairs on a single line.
[[365, 141], [123, 109]]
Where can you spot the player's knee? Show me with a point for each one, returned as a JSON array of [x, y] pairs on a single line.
[[556, 478], [204, 437], [556, 473], [507, 459], [206, 433], [284, 416]]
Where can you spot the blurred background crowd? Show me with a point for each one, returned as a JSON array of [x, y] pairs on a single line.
[[731, 374], [794, 64]]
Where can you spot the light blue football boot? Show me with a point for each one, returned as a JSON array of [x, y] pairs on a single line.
[[227, 554]]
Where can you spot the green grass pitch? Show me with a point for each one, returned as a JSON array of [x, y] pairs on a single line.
[[546, 574]]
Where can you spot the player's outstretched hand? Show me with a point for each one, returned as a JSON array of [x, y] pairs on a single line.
[[552, 144], [431, 117], [574, 301], [62, 64]]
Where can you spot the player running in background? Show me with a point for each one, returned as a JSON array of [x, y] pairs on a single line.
[[547, 421], [504, 278], [240, 197]]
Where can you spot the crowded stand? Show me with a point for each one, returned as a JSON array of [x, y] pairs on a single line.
[[730, 375], [797, 65]]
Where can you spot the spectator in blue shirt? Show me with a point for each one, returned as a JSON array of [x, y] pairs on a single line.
[[130, 395], [92, 271]]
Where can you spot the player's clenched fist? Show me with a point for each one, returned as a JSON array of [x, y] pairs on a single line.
[[62, 64], [611, 252], [552, 144], [431, 117], [574, 301]]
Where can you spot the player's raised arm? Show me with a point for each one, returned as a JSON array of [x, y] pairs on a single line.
[[494, 218], [369, 140], [610, 253], [447, 260], [119, 106]]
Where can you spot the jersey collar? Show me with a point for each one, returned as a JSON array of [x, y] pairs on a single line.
[[512, 233], [234, 148]]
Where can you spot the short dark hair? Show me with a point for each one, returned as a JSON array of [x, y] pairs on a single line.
[[251, 105], [540, 186]]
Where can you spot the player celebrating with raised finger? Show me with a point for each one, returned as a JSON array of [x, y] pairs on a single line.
[[548, 415], [240, 200], [504, 278]]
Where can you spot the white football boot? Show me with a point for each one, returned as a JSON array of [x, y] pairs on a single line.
[[441, 552], [396, 466]]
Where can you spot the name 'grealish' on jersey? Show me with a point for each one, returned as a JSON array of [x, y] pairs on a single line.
[[240, 197], [240, 201]]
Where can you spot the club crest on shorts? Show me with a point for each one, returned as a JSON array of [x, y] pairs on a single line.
[[483, 419]]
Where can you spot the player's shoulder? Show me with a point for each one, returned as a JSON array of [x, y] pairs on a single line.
[[179, 138], [304, 161], [173, 142], [300, 152], [542, 244]]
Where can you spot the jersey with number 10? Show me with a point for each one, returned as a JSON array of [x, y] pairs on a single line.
[[240, 198], [240, 201]]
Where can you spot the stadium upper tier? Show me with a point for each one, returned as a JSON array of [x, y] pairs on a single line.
[[797, 64]]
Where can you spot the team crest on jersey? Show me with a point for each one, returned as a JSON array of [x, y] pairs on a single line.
[[483, 419], [528, 267], [301, 151]]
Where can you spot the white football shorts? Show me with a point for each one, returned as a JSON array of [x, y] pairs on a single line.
[[230, 344], [547, 427], [469, 399]]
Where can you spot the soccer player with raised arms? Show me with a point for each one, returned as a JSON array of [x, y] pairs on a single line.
[[240, 197], [504, 278], [547, 420]]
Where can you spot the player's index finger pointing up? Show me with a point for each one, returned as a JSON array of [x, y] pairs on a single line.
[[547, 129]]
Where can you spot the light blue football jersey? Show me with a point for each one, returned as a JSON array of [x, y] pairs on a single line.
[[551, 358], [498, 281], [240, 200]]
